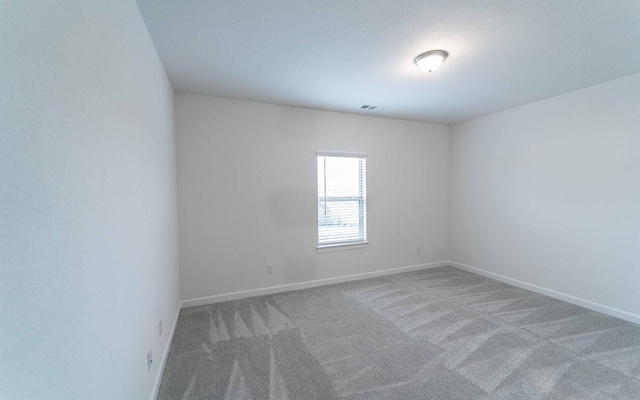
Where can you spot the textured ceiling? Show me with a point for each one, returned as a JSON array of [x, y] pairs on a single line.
[[341, 54]]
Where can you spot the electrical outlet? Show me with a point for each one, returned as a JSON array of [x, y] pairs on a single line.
[[269, 269], [160, 327], [149, 359], [419, 250]]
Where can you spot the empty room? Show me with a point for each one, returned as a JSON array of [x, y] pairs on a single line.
[[264, 200]]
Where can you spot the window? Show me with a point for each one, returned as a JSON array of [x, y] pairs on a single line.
[[342, 199]]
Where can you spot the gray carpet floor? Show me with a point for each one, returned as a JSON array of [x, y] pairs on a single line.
[[439, 333]]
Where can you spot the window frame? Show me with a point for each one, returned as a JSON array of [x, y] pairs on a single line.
[[362, 207]]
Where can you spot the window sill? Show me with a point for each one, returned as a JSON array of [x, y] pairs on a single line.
[[327, 248]]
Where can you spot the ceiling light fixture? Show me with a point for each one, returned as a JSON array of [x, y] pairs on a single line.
[[431, 60]]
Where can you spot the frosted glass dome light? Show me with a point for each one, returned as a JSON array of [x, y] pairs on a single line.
[[431, 60]]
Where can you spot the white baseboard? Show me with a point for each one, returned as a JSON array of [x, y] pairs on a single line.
[[163, 360], [614, 312], [303, 285]]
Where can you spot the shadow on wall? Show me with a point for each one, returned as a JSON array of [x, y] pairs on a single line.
[[299, 270], [294, 208], [298, 123]]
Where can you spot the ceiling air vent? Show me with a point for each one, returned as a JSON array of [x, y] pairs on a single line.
[[371, 108]]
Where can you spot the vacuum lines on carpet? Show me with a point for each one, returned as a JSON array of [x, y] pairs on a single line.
[[439, 333]]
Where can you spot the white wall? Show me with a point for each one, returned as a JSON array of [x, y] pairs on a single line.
[[549, 194], [247, 193], [88, 259]]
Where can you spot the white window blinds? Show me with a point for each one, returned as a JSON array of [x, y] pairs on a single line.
[[342, 199]]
